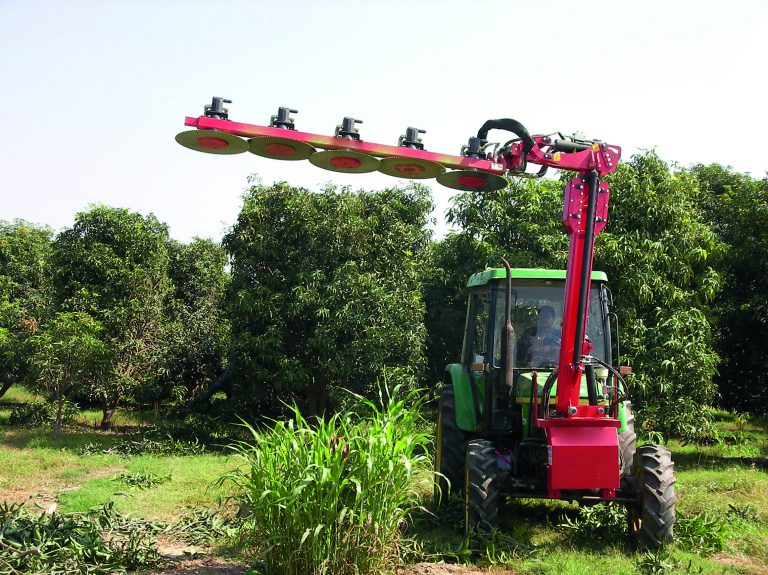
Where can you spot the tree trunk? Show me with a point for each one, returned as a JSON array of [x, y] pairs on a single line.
[[57, 424], [316, 399], [108, 408], [106, 419], [6, 386]]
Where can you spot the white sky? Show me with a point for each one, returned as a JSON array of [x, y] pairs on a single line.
[[93, 93]]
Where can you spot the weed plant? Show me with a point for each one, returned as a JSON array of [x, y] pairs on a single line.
[[332, 496], [143, 480], [604, 522]]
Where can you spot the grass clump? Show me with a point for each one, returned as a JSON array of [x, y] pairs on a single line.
[[331, 496], [603, 521], [143, 480]]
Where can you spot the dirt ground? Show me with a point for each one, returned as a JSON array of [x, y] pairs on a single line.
[[42, 492], [219, 566], [443, 569]]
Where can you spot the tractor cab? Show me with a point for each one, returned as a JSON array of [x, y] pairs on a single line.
[[536, 314]]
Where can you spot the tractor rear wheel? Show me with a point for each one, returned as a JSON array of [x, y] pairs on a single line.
[[450, 444], [627, 442], [652, 519], [482, 483]]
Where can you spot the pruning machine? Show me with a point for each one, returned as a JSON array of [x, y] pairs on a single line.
[[532, 410]]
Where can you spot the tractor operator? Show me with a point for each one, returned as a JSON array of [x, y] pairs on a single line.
[[540, 344]]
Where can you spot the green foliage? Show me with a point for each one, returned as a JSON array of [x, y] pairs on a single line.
[[197, 336], [99, 542], [325, 293], [213, 423], [602, 522], [660, 254], [658, 562], [37, 413], [448, 265], [67, 352], [736, 206], [113, 265], [332, 497], [702, 532], [142, 479], [25, 293], [521, 222], [201, 527]]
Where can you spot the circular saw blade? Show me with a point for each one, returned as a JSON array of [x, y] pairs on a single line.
[[345, 161], [410, 168], [472, 181], [280, 148], [212, 142]]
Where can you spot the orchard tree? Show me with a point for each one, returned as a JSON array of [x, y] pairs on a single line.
[[736, 206], [658, 252], [325, 293], [448, 264], [661, 255], [198, 337], [113, 265], [67, 354], [25, 294]]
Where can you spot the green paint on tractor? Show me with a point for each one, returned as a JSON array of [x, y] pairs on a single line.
[[483, 277]]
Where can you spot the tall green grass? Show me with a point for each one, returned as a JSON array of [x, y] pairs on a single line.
[[331, 496]]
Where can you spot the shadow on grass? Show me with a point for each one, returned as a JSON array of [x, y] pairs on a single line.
[[687, 461], [42, 438], [526, 529]]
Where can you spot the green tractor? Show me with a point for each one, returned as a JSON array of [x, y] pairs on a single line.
[[491, 439]]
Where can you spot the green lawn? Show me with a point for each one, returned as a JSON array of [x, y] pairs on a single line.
[[722, 488], [36, 467]]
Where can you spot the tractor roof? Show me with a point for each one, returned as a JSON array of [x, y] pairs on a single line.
[[489, 274]]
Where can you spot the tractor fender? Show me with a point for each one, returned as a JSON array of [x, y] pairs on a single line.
[[457, 376]]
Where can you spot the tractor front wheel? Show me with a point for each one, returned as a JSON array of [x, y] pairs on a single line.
[[450, 443], [481, 489], [652, 519]]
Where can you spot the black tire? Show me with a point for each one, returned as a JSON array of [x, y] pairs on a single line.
[[450, 445], [627, 442], [481, 492], [653, 518]]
